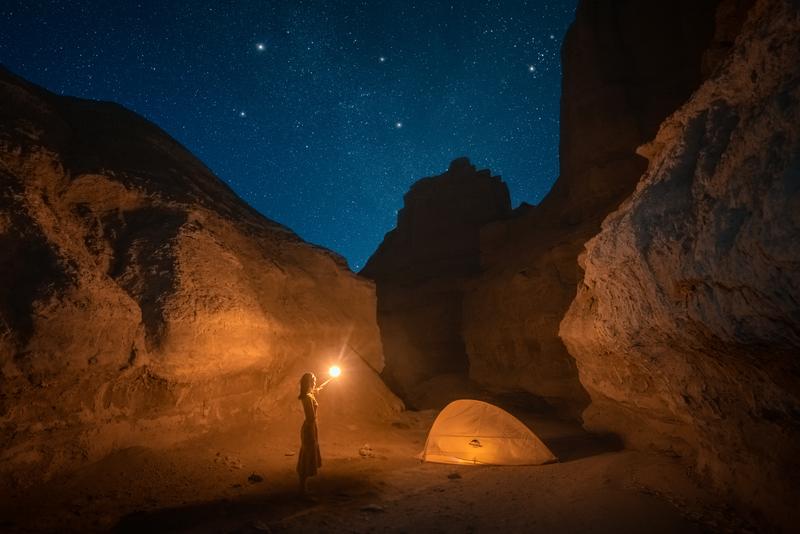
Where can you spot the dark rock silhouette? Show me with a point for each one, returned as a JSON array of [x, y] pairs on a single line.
[[423, 266], [143, 301]]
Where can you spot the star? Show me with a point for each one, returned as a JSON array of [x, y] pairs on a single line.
[[322, 111]]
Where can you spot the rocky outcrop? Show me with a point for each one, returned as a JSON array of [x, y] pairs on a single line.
[[686, 327], [627, 66], [422, 267], [142, 301]]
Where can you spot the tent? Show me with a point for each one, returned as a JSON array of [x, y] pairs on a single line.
[[475, 432]]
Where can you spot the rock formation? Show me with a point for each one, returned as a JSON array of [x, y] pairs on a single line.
[[143, 301], [686, 327], [626, 66], [422, 267]]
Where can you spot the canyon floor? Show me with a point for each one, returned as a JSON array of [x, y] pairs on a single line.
[[371, 481]]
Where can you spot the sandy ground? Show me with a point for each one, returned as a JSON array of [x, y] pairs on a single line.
[[200, 487]]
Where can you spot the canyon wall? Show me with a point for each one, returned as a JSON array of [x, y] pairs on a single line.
[[626, 66], [686, 326], [493, 308], [143, 302], [422, 267]]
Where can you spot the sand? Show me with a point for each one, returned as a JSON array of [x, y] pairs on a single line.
[[371, 481]]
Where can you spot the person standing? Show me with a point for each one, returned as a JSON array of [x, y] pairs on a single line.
[[309, 460]]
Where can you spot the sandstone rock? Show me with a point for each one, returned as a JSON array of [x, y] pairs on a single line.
[[626, 66], [686, 327], [728, 20], [422, 267], [374, 508], [259, 526], [143, 301]]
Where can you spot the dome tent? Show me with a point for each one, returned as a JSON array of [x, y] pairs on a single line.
[[475, 432]]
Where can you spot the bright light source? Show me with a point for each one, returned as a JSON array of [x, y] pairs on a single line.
[[334, 371]]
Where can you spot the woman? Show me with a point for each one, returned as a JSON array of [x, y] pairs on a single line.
[[309, 459]]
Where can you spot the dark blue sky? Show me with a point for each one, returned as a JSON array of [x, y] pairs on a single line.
[[319, 114]]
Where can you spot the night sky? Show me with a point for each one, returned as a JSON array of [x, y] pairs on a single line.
[[319, 114]]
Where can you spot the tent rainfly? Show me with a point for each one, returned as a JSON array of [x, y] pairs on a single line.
[[475, 432]]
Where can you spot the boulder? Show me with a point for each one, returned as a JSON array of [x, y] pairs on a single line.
[[686, 325]]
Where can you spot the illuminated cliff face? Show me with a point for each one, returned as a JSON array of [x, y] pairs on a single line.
[[143, 301], [686, 328]]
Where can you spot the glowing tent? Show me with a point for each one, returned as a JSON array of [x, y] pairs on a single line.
[[475, 432]]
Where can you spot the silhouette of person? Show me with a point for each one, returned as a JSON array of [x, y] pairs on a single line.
[[309, 460]]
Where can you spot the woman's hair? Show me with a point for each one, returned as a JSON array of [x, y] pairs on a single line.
[[305, 384]]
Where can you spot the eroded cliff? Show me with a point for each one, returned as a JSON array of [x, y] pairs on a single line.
[[686, 327], [143, 302], [626, 65], [422, 269]]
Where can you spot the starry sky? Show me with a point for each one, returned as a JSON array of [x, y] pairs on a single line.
[[320, 114]]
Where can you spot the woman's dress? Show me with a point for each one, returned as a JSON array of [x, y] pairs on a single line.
[[309, 459]]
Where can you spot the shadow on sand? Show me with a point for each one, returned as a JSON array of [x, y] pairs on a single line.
[[583, 445], [247, 513]]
